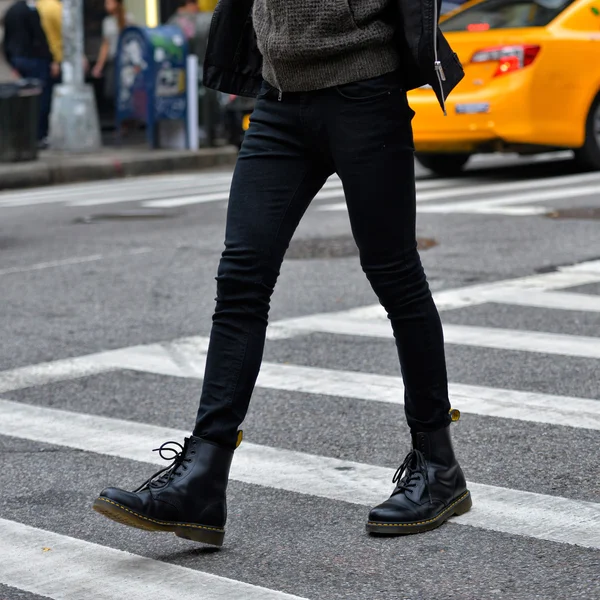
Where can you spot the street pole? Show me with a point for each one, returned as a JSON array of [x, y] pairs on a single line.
[[74, 124]]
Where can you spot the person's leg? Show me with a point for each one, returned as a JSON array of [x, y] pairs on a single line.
[[373, 152], [30, 68], [43, 74], [275, 179]]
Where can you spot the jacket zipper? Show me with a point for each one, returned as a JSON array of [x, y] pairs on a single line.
[[437, 64]]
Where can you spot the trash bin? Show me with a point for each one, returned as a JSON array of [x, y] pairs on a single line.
[[19, 115]]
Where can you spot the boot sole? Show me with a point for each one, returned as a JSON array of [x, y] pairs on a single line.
[[459, 507], [189, 531]]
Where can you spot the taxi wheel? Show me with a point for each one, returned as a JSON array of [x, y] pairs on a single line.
[[443, 164], [589, 154]]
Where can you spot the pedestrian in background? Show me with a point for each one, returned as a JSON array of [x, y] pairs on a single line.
[[186, 19], [112, 26], [51, 18], [331, 81], [28, 53]]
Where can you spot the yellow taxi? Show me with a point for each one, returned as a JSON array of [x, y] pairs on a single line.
[[532, 83]]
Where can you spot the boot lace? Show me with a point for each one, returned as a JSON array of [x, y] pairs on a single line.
[[407, 474], [177, 456]]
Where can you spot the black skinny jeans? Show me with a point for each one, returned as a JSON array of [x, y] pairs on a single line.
[[361, 131]]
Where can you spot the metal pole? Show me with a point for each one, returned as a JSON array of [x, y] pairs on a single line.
[[72, 32], [74, 124]]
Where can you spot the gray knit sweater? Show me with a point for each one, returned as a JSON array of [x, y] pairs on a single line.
[[315, 44]]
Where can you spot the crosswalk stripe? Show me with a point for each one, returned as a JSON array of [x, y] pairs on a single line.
[[513, 186], [65, 568], [551, 300], [583, 273], [515, 512], [463, 335], [491, 205], [144, 186], [173, 191], [186, 358]]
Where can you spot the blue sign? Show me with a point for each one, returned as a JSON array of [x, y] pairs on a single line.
[[151, 76]]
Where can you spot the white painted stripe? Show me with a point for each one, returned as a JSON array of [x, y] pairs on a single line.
[[147, 195], [178, 357], [569, 276], [331, 191], [110, 189], [52, 264], [492, 203], [176, 197], [510, 511], [513, 186], [552, 300], [464, 335], [65, 568], [478, 400], [186, 358]]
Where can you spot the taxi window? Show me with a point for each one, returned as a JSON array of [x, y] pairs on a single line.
[[505, 14]]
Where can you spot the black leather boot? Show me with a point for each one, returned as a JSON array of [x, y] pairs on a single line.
[[187, 498], [430, 488]]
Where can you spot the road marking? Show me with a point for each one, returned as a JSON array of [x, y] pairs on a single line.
[[71, 261], [65, 568], [463, 335], [500, 509], [186, 358], [514, 186], [583, 273], [490, 205], [551, 300]]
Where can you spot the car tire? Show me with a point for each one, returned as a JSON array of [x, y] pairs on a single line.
[[588, 156], [447, 165]]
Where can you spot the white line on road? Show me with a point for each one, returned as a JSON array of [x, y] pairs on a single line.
[[564, 277], [492, 204], [514, 186], [71, 261], [551, 300], [464, 335], [186, 358], [515, 512], [65, 568]]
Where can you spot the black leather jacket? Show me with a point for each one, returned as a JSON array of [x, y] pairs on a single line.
[[233, 63]]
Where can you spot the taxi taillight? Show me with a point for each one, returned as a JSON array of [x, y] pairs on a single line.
[[509, 58]]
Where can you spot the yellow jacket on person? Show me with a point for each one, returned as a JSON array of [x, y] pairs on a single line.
[[207, 4], [51, 17]]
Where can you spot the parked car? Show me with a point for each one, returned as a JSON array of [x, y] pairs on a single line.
[[532, 84]]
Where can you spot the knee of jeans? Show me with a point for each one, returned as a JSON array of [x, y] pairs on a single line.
[[244, 281], [400, 281]]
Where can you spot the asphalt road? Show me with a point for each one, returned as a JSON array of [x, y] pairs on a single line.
[[106, 296]]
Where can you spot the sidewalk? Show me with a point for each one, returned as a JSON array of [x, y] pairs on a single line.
[[108, 163]]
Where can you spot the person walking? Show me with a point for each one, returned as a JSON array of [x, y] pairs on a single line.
[[112, 26], [331, 81], [27, 51]]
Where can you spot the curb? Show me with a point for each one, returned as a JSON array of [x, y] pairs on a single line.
[[57, 169]]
